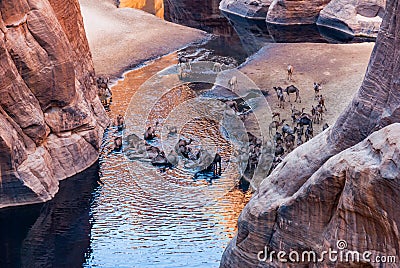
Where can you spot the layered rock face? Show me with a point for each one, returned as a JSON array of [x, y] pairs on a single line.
[[354, 17], [343, 184], [51, 120]]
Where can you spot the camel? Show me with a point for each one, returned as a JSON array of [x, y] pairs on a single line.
[[232, 83], [317, 88], [289, 142], [276, 125], [232, 104], [184, 63], [217, 67], [279, 151], [215, 166], [181, 148], [150, 133], [161, 160], [281, 98], [278, 138], [318, 112], [152, 151], [295, 113], [173, 158], [104, 91], [321, 101], [117, 143], [286, 129], [290, 72], [276, 114], [119, 122], [299, 132], [292, 89], [309, 133], [305, 120]]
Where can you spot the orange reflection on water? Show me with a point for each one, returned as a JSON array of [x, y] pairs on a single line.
[[236, 200], [155, 7], [125, 88]]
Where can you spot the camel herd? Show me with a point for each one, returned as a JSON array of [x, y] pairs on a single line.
[[300, 129], [286, 134]]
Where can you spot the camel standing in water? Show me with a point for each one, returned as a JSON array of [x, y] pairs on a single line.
[[150, 133]]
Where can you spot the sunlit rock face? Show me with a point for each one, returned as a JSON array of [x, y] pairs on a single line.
[[51, 120], [341, 185], [295, 11], [155, 7], [359, 18]]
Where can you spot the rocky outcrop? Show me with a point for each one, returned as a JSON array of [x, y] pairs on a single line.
[[253, 9], [359, 18], [322, 192], [295, 11], [51, 120], [356, 17]]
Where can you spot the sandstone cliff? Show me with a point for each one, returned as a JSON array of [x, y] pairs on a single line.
[[322, 192], [51, 120]]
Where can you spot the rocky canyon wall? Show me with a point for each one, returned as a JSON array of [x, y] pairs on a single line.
[[51, 119], [342, 185]]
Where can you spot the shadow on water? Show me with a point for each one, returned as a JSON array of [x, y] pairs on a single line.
[[54, 234]]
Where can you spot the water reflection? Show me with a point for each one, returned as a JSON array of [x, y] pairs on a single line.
[[154, 219], [54, 234]]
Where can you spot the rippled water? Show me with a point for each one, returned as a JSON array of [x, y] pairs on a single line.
[[144, 217]]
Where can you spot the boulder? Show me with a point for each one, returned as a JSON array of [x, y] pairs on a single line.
[[289, 12], [358, 18], [49, 111], [252, 9]]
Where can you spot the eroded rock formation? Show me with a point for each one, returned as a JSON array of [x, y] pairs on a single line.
[[321, 192], [353, 17], [356, 18], [295, 11], [51, 120], [253, 9]]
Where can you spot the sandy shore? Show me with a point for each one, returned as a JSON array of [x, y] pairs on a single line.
[[340, 69], [120, 38]]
